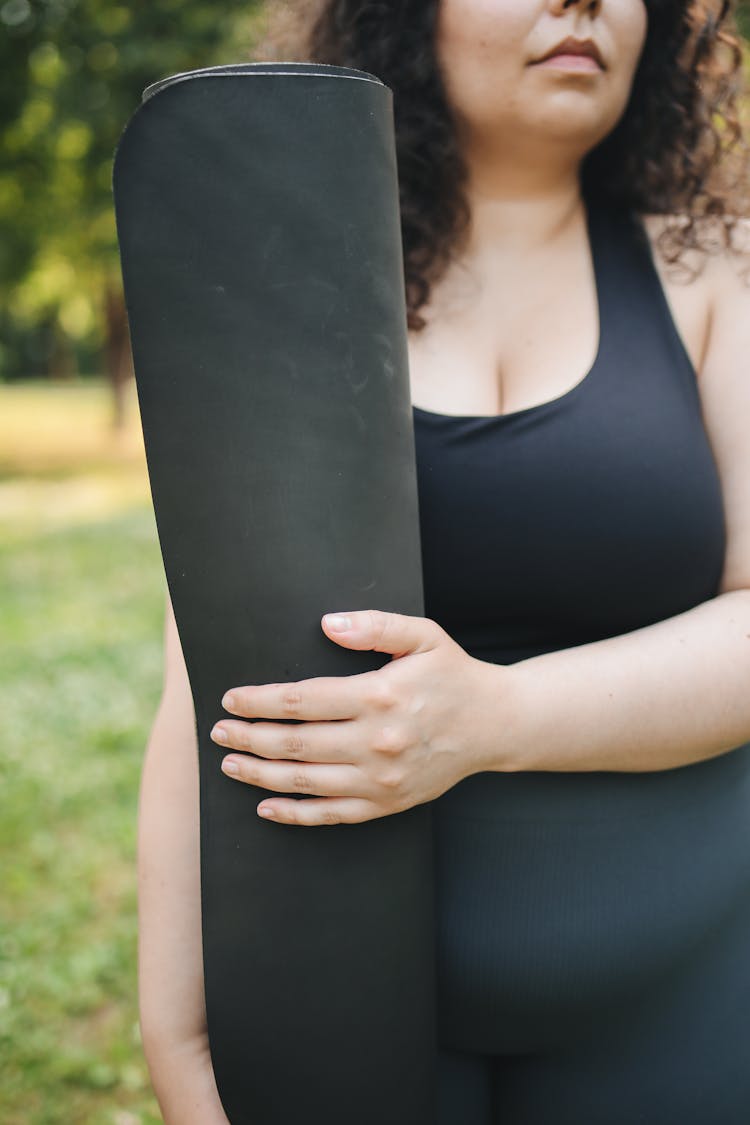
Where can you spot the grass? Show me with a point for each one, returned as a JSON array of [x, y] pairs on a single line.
[[48, 429], [81, 612]]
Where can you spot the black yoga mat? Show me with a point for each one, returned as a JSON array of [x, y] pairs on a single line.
[[258, 223]]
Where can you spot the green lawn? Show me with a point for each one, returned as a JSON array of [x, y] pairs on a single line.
[[81, 612]]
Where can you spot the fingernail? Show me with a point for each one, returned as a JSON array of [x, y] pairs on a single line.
[[230, 766], [338, 622], [264, 810]]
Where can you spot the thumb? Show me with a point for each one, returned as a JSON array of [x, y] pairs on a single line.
[[375, 629]]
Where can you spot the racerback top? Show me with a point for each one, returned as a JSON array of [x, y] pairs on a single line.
[[592, 514]]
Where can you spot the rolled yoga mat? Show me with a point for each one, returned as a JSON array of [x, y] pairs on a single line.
[[258, 223]]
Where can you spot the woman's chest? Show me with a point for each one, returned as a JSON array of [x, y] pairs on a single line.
[[506, 341], [585, 517]]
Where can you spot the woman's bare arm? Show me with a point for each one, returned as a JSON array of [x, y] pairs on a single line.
[[170, 957]]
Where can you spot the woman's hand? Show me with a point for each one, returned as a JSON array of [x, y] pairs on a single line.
[[370, 744]]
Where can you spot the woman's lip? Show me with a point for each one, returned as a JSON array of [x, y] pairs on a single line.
[[571, 62]]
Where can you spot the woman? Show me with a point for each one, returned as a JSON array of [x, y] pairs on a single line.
[[575, 701]]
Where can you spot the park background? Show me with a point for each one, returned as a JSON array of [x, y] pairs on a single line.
[[82, 587]]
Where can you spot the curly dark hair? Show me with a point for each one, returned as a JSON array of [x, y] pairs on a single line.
[[679, 149]]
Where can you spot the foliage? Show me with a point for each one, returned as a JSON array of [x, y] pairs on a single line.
[[743, 17], [72, 73]]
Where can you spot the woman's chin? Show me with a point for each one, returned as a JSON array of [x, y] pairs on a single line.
[[572, 115]]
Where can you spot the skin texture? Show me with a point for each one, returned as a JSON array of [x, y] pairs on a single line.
[[525, 130], [525, 125], [375, 744], [171, 998]]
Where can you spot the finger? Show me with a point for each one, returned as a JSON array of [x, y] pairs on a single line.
[[382, 631], [323, 697], [308, 742], [297, 777], [325, 811]]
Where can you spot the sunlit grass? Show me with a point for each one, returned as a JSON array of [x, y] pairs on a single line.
[[81, 612], [65, 427]]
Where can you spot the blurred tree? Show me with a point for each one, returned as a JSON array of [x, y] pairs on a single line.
[[71, 74], [743, 17]]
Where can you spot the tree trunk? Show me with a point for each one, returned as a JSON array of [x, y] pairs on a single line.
[[117, 358], [61, 365]]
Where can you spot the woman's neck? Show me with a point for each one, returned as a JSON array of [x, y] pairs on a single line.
[[520, 215]]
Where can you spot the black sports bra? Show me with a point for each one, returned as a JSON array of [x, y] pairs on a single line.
[[591, 514]]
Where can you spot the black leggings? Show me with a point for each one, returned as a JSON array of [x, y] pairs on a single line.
[[594, 958], [685, 1060]]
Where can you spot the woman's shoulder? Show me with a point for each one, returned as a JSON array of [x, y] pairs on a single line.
[[706, 276], [715, 253]]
